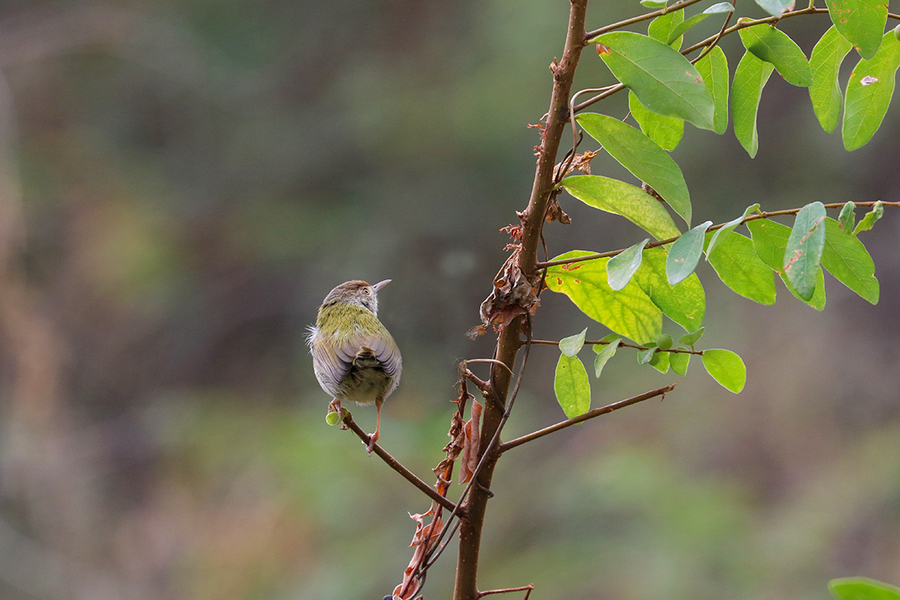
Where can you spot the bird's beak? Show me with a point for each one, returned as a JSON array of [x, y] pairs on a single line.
[[380, 284]]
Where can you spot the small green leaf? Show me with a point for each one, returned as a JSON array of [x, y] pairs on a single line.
[[769, 240], [662, 27], [740, 268], [570, 346], [684, 303], [870, 219], [679, 361], [653, 3], [803, 252], [684, 254], [726, 368], [862, 588], [714, 69], [628, 312], [681, 28], [774, 46], [640, 155], [750, 78], [847, 217], [572, 387], [662, 79], [333, 418], [623, 265], [665, 131], [689, 339], [645, 356], [860, 21], [664, 341], [624, 199], [728, 228], [776, 7], [605, 353], [847, 259], [869, 93], [660, 362], [721, 7], [825, 92]]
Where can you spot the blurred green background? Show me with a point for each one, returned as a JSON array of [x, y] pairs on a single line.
[[181, 183]]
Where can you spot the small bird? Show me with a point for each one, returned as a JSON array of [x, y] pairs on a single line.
[[354, 356]]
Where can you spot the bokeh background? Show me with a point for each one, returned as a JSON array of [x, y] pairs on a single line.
[[181, 183]]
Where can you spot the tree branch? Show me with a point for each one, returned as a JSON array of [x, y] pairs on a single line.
[[509, 342], [588, 415], [396, 465]]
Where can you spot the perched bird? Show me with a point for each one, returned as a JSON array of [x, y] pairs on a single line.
[[354, 356]]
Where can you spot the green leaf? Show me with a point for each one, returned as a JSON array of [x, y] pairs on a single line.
[[653, 3], [628, 312], [870, 219], [774, 46], [847, 259], [640, 155], [665, 131], [333, 418], [570, 346], [684, 254], [869, 93], [572, 387], [660, 362], [862, 588], [803, 252], [664, 341], [861, 22], [624, 199], [721, 7], [645, 356], [750, 78], [740, 268], [847, 217], [684, 303], [689, 339], [714, 69], [662, 27], [623, 265], [825, 91], [769, 240], [728, 228], [662, 79], [679, 361], [726, 368], [681, 28], [604, 354], [776, 7]]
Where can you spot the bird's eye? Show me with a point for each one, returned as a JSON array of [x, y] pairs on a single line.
[[366, 291]]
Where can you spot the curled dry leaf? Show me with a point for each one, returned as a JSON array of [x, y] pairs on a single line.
[[555, 211], [471, 443], [423, 540], [514, 294]]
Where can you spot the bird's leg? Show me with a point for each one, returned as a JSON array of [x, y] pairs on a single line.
[[374, 437], [335, 406]]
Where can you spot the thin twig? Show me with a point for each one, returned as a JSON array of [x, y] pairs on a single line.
[[524, 588], [623, 345], [651, 15], [761, 215], [588, 415], [397, 466]]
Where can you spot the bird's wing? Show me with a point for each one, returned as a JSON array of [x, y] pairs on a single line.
[[335, 359]]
